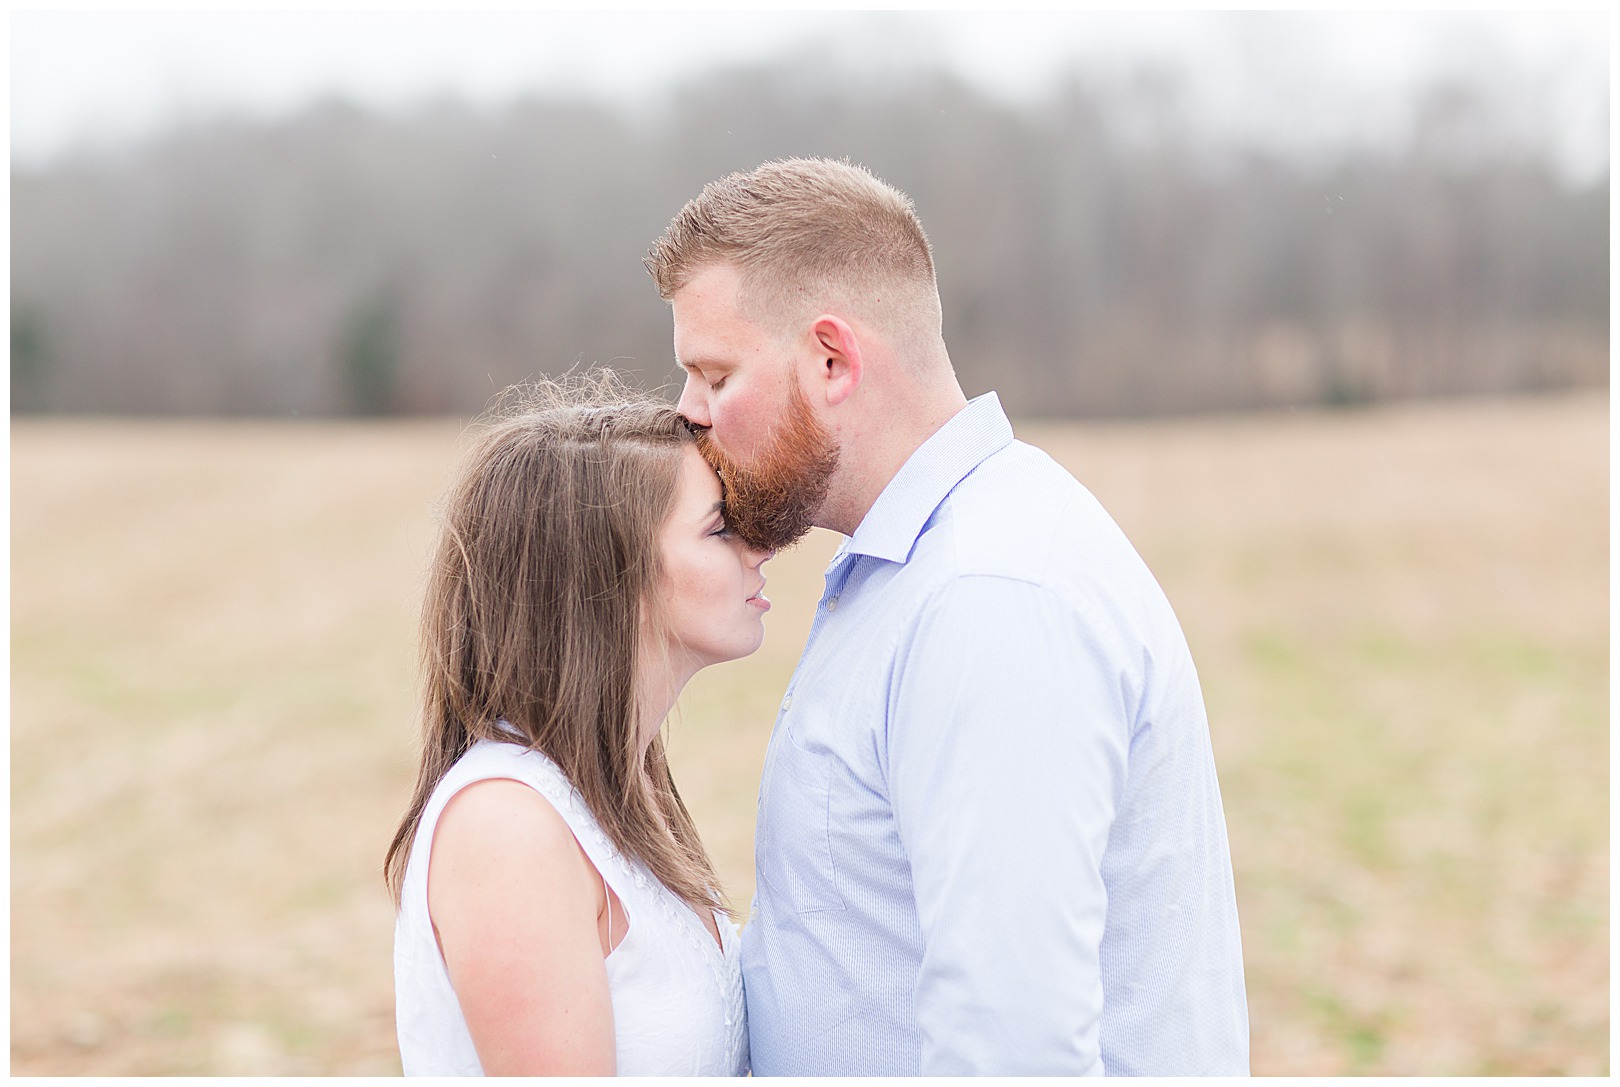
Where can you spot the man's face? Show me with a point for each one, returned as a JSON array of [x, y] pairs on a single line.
[[774, 457]]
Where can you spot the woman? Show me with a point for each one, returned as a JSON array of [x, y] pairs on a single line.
[[557, 912]]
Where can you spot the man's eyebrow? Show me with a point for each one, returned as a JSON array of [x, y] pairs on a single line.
[[702, 362]]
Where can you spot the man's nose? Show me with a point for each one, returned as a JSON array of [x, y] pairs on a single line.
[[693, 404], [756, 557]]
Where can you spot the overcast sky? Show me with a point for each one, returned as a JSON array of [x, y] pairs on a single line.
[[1287, 79]]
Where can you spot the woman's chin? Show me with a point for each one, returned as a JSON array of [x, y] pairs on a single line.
[[753, 646]]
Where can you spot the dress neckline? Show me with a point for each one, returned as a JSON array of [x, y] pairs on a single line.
[[716, 940]]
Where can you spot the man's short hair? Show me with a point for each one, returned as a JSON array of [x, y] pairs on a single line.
[[802, 232]]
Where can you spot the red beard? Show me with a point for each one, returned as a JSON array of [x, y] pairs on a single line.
[[772, 502]]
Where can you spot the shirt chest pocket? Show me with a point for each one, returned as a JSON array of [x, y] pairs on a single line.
[[795, 833]]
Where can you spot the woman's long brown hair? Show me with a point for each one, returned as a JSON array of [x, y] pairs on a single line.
[[546, 562]]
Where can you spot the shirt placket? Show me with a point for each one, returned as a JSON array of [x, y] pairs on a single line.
[[837, 577]]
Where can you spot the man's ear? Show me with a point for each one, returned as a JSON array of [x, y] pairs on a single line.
[[841, 368]]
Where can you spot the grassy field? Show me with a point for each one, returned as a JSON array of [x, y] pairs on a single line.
[[1400, 616]]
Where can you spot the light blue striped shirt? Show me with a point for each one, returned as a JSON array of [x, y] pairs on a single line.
[[990, 837]]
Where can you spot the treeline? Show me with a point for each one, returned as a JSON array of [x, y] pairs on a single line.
[[344, 261]]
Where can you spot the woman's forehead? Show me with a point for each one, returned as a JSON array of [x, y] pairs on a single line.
[[699, 489]]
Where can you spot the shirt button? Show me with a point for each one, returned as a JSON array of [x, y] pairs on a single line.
[[832, 604], [786, 702]]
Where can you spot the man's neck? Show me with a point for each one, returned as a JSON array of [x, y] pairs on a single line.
[[873, 454]]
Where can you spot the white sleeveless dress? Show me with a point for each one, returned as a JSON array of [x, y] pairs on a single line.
[[677, 998]]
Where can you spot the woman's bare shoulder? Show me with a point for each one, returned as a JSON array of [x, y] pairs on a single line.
[[504, 820]]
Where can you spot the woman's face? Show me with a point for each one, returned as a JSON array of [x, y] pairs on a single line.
[[713, 602]]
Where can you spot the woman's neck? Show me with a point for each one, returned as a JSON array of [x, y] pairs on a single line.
[[658, 687]]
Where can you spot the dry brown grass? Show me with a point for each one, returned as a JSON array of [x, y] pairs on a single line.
[[1400, 616]]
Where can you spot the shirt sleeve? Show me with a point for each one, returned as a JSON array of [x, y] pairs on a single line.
[[1008, 733]]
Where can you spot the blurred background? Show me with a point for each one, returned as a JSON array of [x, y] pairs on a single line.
[[1317, 304]]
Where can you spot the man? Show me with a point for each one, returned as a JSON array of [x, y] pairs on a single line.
[[990, 838]]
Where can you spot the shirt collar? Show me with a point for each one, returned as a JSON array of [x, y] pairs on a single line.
[[896, 519]]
